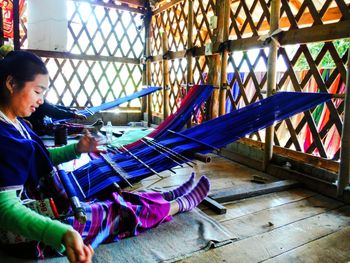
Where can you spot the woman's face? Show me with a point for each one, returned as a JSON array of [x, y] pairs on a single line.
[[25, 101]]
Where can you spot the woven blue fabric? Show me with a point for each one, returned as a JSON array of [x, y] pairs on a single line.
[[96, 175]]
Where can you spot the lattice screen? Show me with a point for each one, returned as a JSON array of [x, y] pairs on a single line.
[[173, 22], [315, 67], [249, 18], [98, 31]]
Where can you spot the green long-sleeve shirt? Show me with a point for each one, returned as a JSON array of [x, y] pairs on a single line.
[[15, 217]]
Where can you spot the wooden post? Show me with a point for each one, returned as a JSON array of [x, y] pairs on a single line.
[[344, 169], [2, 40], [271, 77], [189, 57], [166, 81], [224, 55], [214, 60], [148, 74], [16, 36]]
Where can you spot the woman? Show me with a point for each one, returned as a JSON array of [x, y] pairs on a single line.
[[26, 169]]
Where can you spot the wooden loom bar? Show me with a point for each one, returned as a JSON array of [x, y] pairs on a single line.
[[344, 170], [271, 78], [68, 55], [166, 82]]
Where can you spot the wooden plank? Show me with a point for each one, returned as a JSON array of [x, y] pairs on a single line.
[[255, 204], [279, 216], [332, 248], [278, 241], [236, 193], [68, 55]]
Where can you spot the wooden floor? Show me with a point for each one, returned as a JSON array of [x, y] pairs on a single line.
[[297, 225]]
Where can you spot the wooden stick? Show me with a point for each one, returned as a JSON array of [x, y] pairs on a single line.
[[170, 151], [161, 152], [194, 140], [140, 161]]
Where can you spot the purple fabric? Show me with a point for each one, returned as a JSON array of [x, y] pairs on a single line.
[[126, 215]]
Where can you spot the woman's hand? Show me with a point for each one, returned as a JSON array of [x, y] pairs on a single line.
[[76, 250], [87, 144], [79, 116]]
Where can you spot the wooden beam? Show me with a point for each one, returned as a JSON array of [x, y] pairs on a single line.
[[328, 32], [140, 3], [246, 191], [317, 33], [311, 160], [1, 28], [333, 14], [67, 55], [166, 6], [15, 25], [124, 7]]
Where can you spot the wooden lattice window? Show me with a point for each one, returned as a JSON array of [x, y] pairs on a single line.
[[177, 74], [299, 14], [100, 31], [82, 83], [202, 11], [157, 79], [249, 18], [301, 68]]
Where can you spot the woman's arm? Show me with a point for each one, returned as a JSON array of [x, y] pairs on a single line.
[[17, 218], [72, 151], [63, 154]]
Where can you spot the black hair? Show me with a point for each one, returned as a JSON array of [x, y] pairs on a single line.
[[22, 66]]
